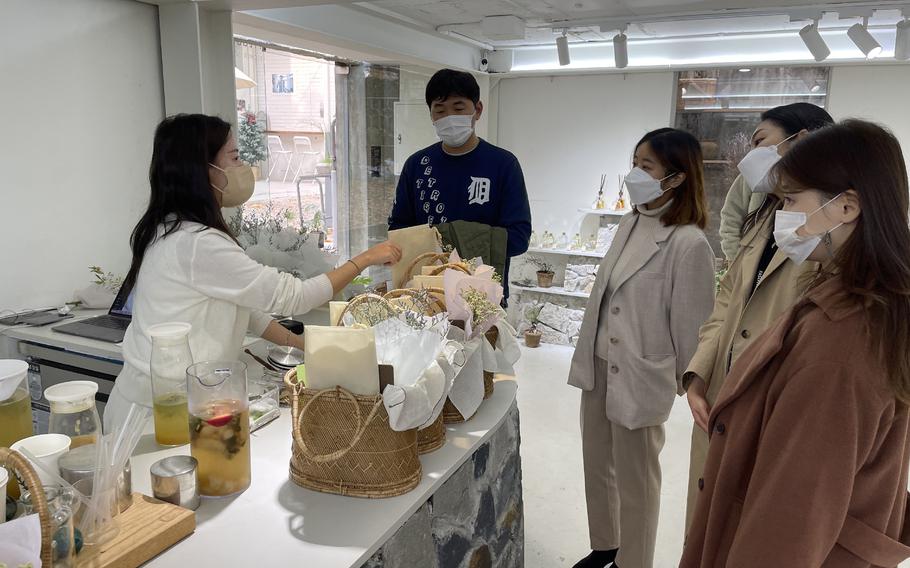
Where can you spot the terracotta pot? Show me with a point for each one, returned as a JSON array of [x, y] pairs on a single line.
[[545, 279], [532, 339]]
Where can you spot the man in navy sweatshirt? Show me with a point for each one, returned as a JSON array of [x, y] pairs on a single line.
[[462, 177]]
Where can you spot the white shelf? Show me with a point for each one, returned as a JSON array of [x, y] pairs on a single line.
[[555, 290], [605, 212], [588, 253]]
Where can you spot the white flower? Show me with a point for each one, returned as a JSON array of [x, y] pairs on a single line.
[[287, 239]]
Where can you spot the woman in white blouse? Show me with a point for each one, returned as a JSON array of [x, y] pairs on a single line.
[[188, 267]]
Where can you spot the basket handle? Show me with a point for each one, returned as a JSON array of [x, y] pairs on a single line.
[[361, 299], [337, 454], [440, 269], [15, 460], [409, 271]]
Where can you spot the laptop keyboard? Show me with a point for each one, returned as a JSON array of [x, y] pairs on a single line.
[[110, 322]]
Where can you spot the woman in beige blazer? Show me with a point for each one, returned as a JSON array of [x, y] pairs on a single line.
[[810, 436], [758, 287], [653, 290]]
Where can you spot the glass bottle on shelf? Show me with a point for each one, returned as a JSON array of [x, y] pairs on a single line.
[[563, 242], [534, 242], [549, 240], [171, 357], [73, 411], [219, 426], [576, 243]]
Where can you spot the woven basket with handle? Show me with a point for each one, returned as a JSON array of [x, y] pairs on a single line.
[[15, 462], [424, 259], [343, 444]]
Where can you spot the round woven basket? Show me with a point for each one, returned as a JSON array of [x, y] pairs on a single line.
[[406, 297], [492, 336], [18, 464], [432, 437], [342, 444], [454, 266], [424, 259]]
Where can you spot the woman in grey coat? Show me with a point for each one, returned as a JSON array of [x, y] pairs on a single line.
[[654, 289]]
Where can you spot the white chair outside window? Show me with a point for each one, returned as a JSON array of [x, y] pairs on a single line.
[[276, 152], [306, 157]]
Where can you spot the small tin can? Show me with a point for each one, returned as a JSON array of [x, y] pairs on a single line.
[[174, 481]]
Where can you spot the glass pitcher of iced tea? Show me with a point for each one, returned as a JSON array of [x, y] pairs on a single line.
[[15, 409], [73, 411], [171, 357], [219, 419]]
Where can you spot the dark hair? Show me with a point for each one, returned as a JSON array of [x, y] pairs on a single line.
[[792, 119], [874, 264], [795, 117], [447, 83], [679, 152], [179, 178]]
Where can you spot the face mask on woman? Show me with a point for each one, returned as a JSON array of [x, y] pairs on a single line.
[[798, 248], [757, 163], [642, 187], [454, 130], [240, 185]]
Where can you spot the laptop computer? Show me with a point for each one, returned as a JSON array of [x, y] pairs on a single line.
[[110, 328]]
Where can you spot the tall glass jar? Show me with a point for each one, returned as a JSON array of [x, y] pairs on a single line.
[[15, 409], [73, 411], [171, 357], [220, 426]]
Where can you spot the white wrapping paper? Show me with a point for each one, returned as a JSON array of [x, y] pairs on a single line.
[[467, 388], [502, 357], [20, 541]]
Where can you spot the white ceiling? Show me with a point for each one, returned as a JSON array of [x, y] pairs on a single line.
[[584, 18]]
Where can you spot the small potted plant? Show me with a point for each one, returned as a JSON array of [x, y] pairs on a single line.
[[533, 334], [544, 272]]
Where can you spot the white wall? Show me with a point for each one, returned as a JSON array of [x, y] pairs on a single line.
[[874, 92], [81, 91], [567, 131]]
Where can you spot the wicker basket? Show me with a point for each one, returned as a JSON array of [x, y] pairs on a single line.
[[404, 296], [342, 444], [18, 464], [432, 437], [492, 336], [424, 259], [454, 266]]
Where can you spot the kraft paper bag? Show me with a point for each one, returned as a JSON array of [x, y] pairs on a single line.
[[414, 241], [341, 356], [421, 281]]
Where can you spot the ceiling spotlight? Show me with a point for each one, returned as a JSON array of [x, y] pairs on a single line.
[[813, 40], [562, 49], [815, 87], [902, 40], [621, 49], [744, 70], [864, 40]]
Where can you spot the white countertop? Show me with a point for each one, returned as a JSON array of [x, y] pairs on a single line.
[[276, 523]]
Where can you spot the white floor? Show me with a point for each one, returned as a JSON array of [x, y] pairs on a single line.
[[556, 529]]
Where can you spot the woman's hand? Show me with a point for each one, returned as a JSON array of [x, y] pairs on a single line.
[[383, 253], [701, 410]]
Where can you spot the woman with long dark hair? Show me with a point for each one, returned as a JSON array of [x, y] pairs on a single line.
[[654, 289], [759, 285], [188, 267], [810, 435]]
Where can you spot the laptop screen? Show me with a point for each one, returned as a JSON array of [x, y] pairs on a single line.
[[123, 304]]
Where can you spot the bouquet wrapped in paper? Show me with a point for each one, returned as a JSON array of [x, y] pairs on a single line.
[[474, 298]]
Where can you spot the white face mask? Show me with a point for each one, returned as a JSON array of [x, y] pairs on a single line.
[[798, 248], [454, 130], [757, 163], [642, 187]]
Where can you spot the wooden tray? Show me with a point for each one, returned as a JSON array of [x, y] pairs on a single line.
[[147, 528]]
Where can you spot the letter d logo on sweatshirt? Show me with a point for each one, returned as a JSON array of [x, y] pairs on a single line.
[[479, 191]]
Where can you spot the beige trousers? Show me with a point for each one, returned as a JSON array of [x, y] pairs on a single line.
[[622, 479]]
